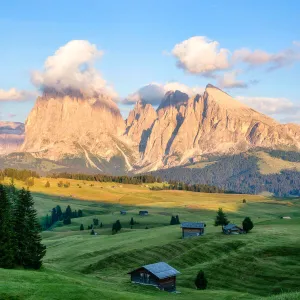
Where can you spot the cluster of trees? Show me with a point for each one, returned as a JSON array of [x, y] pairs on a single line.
[[18, 174], [116, 227], [62, 184], [238, 173], [138, 179], [20, 239], [174, 220], [286, 155], [58, 215], [203, 188], [222, 220]]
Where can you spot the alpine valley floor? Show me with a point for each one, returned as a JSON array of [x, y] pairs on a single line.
[[264, 264]]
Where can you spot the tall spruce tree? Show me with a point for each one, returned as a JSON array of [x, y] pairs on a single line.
[[221, 218], [30, 250], [7, 249], [68, 212]]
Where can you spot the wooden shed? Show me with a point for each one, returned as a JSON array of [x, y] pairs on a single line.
[[190, 229], [160, 274], [232, 229], [123, 212], [143, 213]]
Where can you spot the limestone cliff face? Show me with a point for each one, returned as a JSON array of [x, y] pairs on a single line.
[[212, 123], [11, 136], [68, 126], [139, 124], [180, 131]]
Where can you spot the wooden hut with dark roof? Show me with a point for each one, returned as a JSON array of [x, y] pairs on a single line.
[[191, 229], [232, 229], [160, 274]]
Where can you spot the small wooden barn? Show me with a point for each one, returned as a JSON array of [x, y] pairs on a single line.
[[190, 229], [160, 274], [143, 213], [123, 212], [232, 229]]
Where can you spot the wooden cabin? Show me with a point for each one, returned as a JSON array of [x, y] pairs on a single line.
[[190, 229], [123, 212], [160, 274], [232, 229], [143, 213]]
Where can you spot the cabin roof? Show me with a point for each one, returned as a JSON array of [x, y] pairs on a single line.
[[192, 225], [230, 226], [161, 270], [143, 211]]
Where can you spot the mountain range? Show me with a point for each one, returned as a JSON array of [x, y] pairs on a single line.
[[71, 132]]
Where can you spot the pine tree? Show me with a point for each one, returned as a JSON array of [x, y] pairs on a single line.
[[67, 221], [81, 227], [30, 251], [131, 222], [221, 218], [177, 219], [118, 226], [173, 221], [247, 224], [80, 214], [68, 211], [59, 212], [7, 249], [47, 185], [92, 232], [201, 281], [101, 225], [114, 230], [36, 249], [54, 217]]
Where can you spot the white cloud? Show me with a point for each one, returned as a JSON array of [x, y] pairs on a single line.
[[154, 92], [269, 105], [272, 60], [199, 55], [71, 68], [229, 80], [16, 95]]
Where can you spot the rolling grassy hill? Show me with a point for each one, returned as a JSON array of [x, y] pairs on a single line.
[[264, 264]]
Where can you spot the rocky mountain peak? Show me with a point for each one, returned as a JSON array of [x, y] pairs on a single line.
[[173, 98]]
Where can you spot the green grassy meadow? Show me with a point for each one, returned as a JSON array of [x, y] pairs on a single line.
[[264, 264]]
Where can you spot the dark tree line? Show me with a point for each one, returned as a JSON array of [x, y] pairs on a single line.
[[286, 155], [58, 215], [238, 173], [20, 239], [109, 178], [18, 174], [203, 188]]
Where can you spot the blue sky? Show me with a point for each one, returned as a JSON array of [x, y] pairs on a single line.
[[133, 36]]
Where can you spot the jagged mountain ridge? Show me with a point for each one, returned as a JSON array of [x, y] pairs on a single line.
[[181, 130]]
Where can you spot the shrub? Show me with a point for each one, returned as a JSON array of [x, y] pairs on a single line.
[[201, 281], [47, 185], [247, 224]]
